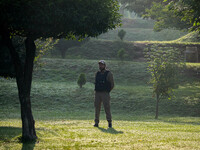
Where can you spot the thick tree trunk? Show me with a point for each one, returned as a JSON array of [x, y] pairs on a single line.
[[28, 123], [24, 79], [157, 102]]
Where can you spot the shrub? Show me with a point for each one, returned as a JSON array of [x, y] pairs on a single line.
[[121, 54], [81, 80], [121, 34]]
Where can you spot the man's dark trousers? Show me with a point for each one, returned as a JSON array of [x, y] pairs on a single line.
[[105, 98]]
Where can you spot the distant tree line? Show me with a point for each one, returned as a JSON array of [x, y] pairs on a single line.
[[179, 14]]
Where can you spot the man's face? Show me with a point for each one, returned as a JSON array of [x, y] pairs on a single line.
[[101, 66]]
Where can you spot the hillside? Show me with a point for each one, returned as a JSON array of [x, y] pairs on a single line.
[[108, 49], [141, 30], [143, 34], [190, 37], [104, 49], [54, 91], [61, 70]]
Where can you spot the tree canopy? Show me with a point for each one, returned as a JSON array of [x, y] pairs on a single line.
[[62, 18]]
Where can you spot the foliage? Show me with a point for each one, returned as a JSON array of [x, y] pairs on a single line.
[[164, 64], [59, 19], [189, 11], [6, 64], [180, 14], [121, 54], [121, 34], [81, 80], [165, 17], [42, 47]]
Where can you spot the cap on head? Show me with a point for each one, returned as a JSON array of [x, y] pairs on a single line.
[[102, 62]]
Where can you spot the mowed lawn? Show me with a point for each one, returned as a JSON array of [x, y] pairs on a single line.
[[64, 113], [166, 133]]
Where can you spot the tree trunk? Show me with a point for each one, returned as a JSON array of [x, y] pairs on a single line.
[[28, 123], [24, 79], [157, 102]]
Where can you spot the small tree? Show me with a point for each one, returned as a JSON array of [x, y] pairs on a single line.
[[121, 54], [164, 66], [121, 34], [81, 80]]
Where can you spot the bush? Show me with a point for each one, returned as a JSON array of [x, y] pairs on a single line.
[[81, 80], [121, 34], [121, 54]]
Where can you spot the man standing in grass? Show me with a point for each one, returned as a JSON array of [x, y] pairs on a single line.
[[104, 83]]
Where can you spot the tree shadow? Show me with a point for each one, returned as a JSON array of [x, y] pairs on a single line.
[[8, 133], [179, 121], [28, 145], [110, 130]]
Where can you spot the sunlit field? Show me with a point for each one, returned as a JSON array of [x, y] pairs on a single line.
[[64, 113]]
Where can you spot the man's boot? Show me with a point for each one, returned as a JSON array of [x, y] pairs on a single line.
[[96, 125]]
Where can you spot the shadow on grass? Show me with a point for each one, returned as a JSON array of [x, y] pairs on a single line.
[[28, 146], [8, 134], [110, 130], [180, 121]]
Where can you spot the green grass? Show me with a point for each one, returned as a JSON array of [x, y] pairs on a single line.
[[143, 34], [166, 133], [64, 113], [190, 37]]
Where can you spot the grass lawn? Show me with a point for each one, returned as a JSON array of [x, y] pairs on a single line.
[[165, 133], [64, 113]]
